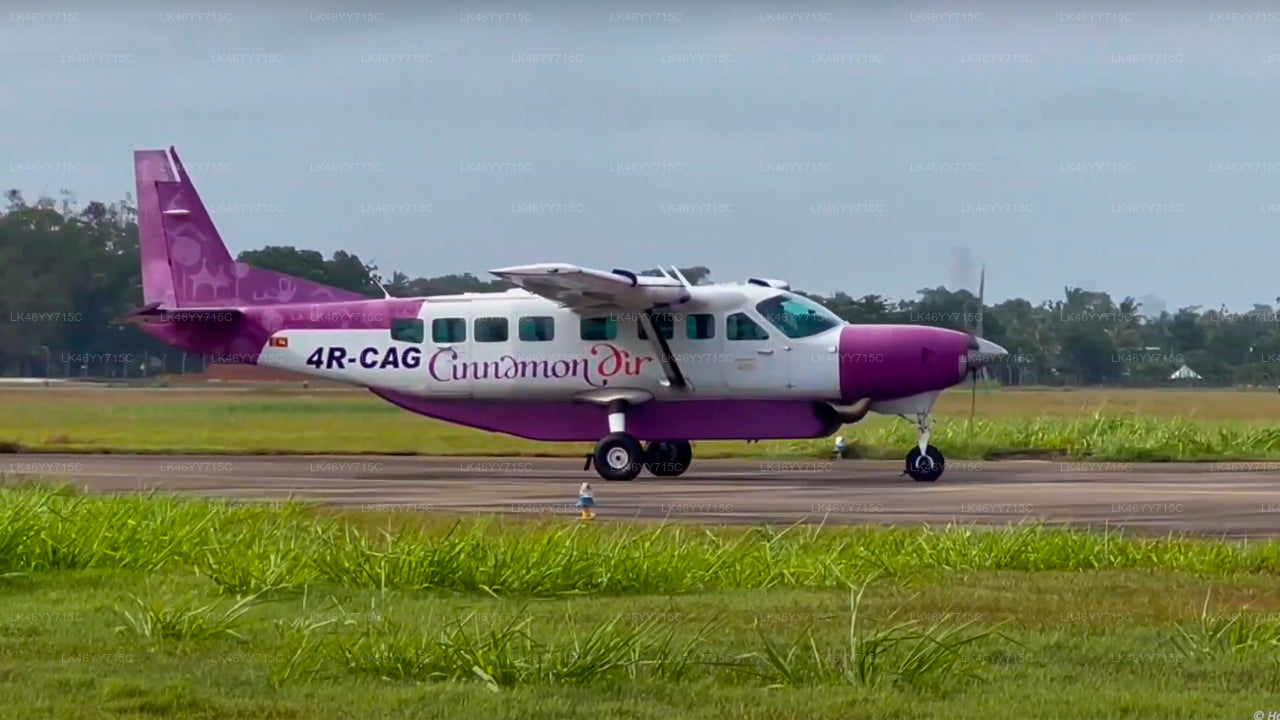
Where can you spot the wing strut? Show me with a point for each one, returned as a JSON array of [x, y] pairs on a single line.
[[680, 276], [674, 376]]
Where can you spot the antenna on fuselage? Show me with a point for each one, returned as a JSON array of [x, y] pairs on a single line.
[[385, 295]]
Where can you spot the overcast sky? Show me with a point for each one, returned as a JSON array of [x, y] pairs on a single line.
[[1126, 148]]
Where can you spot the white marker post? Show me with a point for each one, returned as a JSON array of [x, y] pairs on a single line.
[[586, 502]]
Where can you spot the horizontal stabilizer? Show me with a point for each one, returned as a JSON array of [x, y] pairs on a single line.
[[154, 313]]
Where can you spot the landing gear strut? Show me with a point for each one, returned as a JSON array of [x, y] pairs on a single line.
[[925, 462], [619, 455]]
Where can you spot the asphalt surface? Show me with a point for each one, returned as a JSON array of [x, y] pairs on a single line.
[[1231, 499]]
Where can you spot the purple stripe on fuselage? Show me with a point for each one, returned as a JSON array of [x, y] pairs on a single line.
[[584, 422]]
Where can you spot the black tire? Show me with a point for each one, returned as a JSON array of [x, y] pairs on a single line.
[[926, 467], [668, 458], [618, 456]]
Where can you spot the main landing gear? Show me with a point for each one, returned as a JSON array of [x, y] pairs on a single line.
[[925, 462], [620, 456]]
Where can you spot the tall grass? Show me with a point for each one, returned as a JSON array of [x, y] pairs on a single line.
[[1099, 435], [246, 549], [506, 655], [156, 621], [906, 651], [1215, 634]]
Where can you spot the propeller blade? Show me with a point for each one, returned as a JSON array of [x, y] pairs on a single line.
[[982, 288]]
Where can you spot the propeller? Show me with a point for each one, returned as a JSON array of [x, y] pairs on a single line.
[[976, 360], [972, 369]]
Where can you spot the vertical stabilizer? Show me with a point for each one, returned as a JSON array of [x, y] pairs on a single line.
[[185, 264]]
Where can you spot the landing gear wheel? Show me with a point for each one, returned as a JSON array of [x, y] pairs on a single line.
[[618, 456], [668, 458], [926, 466]]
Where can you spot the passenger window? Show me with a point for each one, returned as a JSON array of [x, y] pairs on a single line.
[[491, 329], [537, 329], [448, 330], [599, 328], [700, 326], [407, 330], [740, 327], [665, 323]]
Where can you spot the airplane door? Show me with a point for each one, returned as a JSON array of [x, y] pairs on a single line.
[[447, 348], [759, 356], [813, 364], [698, 346]]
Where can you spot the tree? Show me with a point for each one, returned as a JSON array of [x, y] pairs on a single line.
[[67, 272]]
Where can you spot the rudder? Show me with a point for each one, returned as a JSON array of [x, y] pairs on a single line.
[[150, 168]]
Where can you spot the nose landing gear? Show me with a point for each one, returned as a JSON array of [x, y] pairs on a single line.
[[925, 462]]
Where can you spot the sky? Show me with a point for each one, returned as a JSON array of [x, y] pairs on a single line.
[[861, 147]]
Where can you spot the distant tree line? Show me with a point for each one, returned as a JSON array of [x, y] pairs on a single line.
[[67, 272]]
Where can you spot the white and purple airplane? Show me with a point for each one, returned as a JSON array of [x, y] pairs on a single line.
[[639, 365]]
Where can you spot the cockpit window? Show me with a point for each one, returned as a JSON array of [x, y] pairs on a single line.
[[796, 316]]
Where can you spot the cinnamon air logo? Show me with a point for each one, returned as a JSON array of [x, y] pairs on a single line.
[[603, 363]]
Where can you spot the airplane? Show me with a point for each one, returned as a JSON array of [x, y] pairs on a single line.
[[640, 365]]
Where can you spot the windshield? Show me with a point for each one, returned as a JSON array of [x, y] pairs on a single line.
[[796, 316]]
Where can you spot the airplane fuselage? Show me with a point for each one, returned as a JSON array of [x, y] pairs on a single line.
[[519, 346]]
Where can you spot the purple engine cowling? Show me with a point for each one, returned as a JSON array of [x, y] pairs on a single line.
[[883, 362]]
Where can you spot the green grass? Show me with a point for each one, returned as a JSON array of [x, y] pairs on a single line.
[[1102, 425], [250, 549], [151, 606]]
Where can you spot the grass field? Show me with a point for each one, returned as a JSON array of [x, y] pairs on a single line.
[[1101, 424], [160, 607]]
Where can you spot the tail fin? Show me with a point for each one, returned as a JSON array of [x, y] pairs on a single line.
[[184, 261]]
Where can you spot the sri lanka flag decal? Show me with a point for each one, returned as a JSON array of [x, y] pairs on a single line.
[[280, 342]]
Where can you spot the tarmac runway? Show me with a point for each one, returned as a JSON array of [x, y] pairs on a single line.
[[1231, 499]]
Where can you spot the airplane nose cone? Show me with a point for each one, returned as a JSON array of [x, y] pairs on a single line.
[[893, 361]]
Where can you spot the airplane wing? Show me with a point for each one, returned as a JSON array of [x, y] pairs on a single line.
[[588, 291], [596, 292]]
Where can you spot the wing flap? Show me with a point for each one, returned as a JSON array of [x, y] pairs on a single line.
[[587, 291]]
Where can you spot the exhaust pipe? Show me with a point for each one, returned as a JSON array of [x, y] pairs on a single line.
[[836, 415]]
